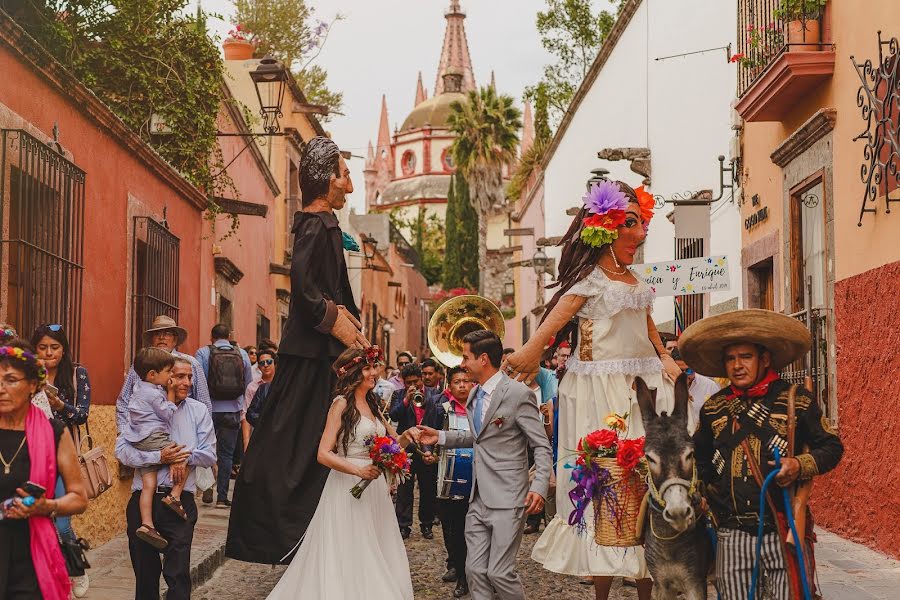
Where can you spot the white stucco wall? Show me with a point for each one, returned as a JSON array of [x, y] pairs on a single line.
[[679, 108]]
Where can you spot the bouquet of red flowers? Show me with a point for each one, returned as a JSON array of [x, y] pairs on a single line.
[[387, 455]]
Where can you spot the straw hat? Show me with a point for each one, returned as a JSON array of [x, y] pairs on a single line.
[[703, 344], [165, 323]]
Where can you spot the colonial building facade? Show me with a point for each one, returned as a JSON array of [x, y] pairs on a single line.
[[819, 229]]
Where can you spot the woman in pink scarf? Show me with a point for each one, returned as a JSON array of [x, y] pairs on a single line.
[[32, 449]]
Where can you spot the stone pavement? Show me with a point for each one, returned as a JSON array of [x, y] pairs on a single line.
[[111, 575], [847, 571]]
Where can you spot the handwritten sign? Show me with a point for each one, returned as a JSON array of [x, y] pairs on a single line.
[[687, 276]]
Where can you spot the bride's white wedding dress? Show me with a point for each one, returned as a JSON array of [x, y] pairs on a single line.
[[352, 549]]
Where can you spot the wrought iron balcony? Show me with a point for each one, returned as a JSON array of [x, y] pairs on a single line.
[[781, 56]]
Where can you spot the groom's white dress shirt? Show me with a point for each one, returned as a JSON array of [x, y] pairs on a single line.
[[489, 386]]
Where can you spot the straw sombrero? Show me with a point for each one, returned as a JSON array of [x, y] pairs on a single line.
[[165, 323], [703, 343]]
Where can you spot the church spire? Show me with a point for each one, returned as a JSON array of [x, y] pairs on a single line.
[[527, 129], [420, 91], [455, 53], [384, 129]]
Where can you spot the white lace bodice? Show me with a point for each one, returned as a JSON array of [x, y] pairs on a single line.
[[357, 447], [613, 335]]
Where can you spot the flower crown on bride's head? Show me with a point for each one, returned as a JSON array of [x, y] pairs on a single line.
[[372, 355], [606, 204]]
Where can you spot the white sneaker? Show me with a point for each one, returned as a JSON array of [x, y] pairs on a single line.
[[80, 586]]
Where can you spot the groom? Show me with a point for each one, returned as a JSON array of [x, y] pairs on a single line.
[[504, 421]]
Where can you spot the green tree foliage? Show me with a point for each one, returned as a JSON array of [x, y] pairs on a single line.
[[532, 158], [143, 58], [487, 128], [289, 31], [427, 236], [460, 269], [573, 33]]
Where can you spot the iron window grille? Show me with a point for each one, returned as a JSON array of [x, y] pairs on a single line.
[[691, 305], [263, 327], [42, 245], [812, 369], [155, 276]]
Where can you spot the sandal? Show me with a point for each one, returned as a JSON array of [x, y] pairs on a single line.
[[151, 536], [174, 504]]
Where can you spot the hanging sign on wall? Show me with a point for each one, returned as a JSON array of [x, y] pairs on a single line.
[[686, 276]]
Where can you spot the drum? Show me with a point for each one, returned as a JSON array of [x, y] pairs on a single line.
[[454, 477]]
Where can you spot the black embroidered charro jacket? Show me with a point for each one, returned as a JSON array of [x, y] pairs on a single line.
[[732, 490]]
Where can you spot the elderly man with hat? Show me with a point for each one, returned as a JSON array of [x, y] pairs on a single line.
[[165, 334], [740, 429]]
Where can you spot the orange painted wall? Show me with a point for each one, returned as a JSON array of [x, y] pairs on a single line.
[[113, 175], [250, 247]]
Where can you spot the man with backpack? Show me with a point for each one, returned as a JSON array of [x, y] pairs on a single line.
[[228, 373]]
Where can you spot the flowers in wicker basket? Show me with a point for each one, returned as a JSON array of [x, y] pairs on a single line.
[[387, 455], [606, 475]]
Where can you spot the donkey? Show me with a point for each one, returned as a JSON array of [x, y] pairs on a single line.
[[677, 548]]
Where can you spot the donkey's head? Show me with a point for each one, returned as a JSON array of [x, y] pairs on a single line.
[[670, 452]]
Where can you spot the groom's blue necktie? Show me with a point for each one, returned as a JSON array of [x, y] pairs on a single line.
[[479, 405]]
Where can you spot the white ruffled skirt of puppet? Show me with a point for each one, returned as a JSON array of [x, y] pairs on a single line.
[[584, 402]]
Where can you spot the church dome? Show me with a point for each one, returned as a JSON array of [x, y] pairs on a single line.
[[433, 112]]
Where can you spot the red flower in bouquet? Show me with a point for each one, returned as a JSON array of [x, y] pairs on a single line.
[[602, 438], [630, 453]]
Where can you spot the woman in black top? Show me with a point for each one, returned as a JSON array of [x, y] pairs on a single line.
[[20, 378]]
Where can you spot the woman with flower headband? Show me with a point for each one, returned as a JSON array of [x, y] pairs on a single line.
[[32, 450], [617, 341], [352, 548]]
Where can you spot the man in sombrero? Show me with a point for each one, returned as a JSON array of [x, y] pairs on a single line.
[[740, 428]]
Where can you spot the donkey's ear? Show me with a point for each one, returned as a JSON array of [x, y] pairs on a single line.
[[646, 400], [682, 398]]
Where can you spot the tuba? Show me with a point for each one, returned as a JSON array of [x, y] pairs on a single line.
[[457, 317]]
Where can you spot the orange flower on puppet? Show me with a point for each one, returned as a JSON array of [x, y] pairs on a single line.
[[606, 204], [647, 203]]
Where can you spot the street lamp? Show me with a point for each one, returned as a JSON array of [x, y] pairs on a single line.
[[270, 79], [540, 261]]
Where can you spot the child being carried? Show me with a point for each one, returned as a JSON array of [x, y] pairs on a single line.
[[150, 413]]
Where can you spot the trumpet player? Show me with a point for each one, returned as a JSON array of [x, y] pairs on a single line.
[[412, 406]]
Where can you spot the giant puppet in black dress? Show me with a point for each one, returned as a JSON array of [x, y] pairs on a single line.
[[280, 482]]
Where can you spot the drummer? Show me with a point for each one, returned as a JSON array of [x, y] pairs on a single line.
[[452, 511]]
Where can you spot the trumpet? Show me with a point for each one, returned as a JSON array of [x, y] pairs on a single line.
[[418, 399]]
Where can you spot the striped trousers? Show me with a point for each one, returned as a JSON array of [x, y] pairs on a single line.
[[735, 556]]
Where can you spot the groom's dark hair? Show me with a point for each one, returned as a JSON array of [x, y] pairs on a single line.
[[485, 342]]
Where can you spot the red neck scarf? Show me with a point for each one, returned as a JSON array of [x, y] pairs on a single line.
[[757, 391]]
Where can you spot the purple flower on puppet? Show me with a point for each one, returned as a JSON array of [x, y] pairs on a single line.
[[606, 204]]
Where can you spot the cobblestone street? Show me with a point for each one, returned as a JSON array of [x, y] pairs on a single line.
[[241, 581]]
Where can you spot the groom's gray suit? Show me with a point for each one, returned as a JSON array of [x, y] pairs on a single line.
[[496, 514]]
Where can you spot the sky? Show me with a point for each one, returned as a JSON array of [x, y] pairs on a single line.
[[381, 45]]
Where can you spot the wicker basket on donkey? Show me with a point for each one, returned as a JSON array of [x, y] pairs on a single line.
[[616, 514]]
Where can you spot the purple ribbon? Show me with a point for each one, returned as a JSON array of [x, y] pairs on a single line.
[[589, 481]]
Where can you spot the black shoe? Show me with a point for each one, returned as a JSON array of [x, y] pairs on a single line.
[[450, 575], [404, 532], [223, 503], [427, 533], [462, 588], [207, 496], [531, 528]]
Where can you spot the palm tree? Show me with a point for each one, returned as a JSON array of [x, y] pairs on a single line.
[[487, 128]]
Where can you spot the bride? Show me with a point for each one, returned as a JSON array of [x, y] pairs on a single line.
[[352, 548]]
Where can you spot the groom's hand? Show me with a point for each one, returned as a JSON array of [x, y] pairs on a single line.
[[534, 503], [428, 436]]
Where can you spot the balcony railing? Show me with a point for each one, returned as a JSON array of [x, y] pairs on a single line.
[[763, 37]]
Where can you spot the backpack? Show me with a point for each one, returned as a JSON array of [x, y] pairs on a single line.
[[225, 378]]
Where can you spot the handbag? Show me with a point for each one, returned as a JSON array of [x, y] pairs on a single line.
[[73, 554], [95, 469]]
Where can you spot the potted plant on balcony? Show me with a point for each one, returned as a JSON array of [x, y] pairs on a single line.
[[802, 18], [239, 45]]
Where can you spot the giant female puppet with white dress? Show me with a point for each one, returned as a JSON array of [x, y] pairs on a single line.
[[609, 310]]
